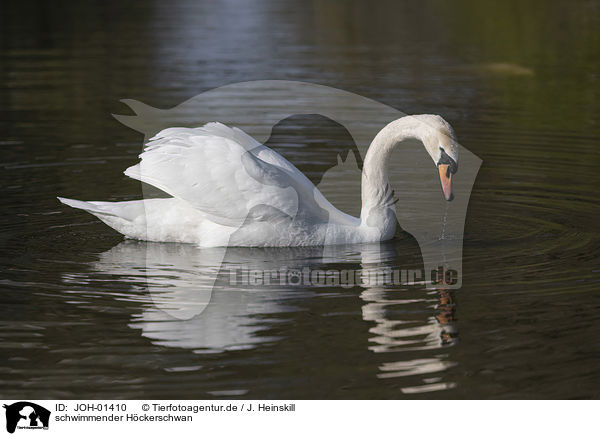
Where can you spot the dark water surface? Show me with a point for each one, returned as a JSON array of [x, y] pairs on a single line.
[[85, 314]]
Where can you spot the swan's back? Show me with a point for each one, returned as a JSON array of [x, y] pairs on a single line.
[[222, 179]]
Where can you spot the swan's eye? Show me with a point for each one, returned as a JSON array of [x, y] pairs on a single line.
[[447, 160]]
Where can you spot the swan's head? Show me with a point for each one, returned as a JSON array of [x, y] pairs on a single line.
[[440, 142]]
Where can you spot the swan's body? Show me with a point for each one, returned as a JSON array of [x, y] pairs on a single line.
[[229, 190]]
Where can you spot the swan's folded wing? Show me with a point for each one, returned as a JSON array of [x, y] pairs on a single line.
[[214, 169]]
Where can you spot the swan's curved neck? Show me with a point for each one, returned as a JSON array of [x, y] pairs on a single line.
[[378, 211]]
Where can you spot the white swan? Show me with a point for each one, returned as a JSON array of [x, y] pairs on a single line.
[[229, 190]]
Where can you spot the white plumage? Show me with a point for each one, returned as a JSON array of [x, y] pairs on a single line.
[[229, 190]]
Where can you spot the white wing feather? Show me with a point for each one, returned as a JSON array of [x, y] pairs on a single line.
[[215, 169], [223, 183]]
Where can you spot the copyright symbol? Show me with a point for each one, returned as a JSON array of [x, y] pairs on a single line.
[[145, 407]]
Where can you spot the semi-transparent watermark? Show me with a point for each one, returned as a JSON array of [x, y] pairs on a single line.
[[256, 107], [345, 278]]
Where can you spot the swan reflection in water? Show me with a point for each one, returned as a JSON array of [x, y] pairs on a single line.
[[198, 301], [405, 322]]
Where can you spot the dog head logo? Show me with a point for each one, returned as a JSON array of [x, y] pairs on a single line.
[[258, 107], [26, 415]]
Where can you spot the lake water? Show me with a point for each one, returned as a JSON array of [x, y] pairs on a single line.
[[85, 314]]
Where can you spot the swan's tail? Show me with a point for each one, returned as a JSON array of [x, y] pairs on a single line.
[[126, 217], [93, 207]]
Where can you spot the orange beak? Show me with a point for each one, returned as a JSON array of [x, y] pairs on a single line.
[[446, 180]]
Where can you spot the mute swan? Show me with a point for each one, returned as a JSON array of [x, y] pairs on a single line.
[[227, 189]]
